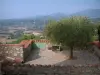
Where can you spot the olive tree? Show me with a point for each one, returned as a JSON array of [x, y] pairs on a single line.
[[73, 32]]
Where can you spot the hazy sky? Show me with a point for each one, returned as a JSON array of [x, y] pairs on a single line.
[[29, 8]]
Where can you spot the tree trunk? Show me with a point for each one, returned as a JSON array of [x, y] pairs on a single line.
[[99, 33], [71, 53], [99, 36]]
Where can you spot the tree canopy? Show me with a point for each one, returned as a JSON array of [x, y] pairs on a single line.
[[74, 32]]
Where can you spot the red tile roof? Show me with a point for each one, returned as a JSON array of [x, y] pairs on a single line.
[[42, 40], [97, 43], [26, 43]]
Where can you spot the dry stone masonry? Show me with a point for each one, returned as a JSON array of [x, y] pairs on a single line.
[[51, 70], [14, 51], [21, 50]]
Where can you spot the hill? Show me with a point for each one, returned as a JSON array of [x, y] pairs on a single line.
[[91, 13], [40, 21]]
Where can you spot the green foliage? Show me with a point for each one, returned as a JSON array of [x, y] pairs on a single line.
[[72, 32], [26, 37], [16, 34], [95, 38]]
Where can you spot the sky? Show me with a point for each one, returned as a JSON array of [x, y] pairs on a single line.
[[10, 9]]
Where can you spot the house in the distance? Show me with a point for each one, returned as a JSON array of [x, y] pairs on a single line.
[[37, 32]]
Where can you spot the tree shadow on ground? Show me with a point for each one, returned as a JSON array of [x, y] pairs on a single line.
[[81, 58]]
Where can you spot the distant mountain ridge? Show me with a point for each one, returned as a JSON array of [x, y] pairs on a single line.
[[91, 13], [40, 21]]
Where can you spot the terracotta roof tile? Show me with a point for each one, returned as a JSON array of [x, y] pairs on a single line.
[[97, 43]]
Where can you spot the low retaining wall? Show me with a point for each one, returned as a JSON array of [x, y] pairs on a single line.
[[96, 48], [96, 51], [52, 70]]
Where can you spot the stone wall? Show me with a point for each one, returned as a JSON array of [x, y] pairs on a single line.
[[21, 50], [13, 51], [27, 51], [96, 51], [27, 48], [0, 69], [51, 70]]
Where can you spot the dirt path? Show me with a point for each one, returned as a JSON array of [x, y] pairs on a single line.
[[47, 57]]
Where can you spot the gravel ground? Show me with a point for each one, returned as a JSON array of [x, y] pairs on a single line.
[[48, 57]]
